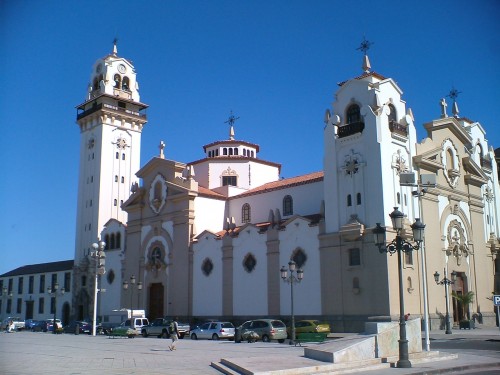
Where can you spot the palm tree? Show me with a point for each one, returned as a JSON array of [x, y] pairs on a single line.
[[464, 300]]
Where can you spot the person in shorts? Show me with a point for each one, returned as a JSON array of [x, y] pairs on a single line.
[[174, 334]]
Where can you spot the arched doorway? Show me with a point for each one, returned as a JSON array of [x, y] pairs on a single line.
[[65, 314], [156, 298]]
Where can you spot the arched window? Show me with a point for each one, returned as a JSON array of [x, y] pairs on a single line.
[[353, 114], [235, 151], [245, 213], [106, 240], [123, 179], [123, 156], [230, 151], [117, 155], [355, 283], [349, 200], [95, 85], [287, 205], [126, 83], [450, 163], [392, 115], [118, 240], [224, 151], [118, 81], [358, 199], [112, 245], [116, 178], [398, 198]]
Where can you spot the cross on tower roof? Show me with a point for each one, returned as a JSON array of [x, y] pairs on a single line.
[[365, 45], [115, 49], [453, 95]]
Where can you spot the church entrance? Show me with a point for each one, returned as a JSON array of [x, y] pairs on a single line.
[[156, 298], [458, 310]]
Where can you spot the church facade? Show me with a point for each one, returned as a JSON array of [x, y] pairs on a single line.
[[207, 238]]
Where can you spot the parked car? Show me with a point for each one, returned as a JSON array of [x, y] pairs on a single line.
[[123, 331], [83, 327], [136, 324], [39, 326], [266, 329], [214, 331], [160, 328], [50, 325], [19, 323], [309, 326], [29, 323]]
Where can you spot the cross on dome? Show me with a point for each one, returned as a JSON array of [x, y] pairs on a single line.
[[231, 120]]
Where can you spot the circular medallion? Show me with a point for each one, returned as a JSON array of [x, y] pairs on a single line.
[[121, 68]]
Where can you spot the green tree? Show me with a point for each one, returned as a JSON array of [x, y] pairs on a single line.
[[465, 300]]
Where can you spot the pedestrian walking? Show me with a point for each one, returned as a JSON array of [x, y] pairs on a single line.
[[174, 334]]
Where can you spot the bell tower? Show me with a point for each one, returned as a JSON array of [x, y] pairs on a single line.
[[111, 120]]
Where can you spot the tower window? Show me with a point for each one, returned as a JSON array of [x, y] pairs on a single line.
[[118, 81], [116, 178], [349, 200], [358, 199], [117, 155], [115, 202], [126, 83], [224, 151], [353, 114], [123, 156], [245, 213], [392, 115], [123, 179], [287, 205]]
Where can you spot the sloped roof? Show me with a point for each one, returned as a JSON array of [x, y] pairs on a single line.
[[364, 75], [285, 183], [63, 265], [202, 191]]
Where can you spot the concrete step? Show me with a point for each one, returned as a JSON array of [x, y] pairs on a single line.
[[422, 357]]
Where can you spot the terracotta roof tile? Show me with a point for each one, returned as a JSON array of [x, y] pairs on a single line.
[[209, 193], [285, 183]]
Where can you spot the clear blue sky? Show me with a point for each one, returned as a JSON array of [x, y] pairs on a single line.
[[276, 64]]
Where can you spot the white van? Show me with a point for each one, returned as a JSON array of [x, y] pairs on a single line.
[[136, 323]]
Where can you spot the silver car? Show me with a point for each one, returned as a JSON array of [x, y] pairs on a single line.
[[266, 329], [214, 331]]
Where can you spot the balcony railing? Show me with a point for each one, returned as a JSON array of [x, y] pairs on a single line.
[[398, 128], [100, 106], [350, 129]]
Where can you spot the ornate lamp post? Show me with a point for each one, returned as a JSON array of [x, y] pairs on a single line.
[[100, 260], [289, 277], [446, 282], [400, 245], [132, 285], [53, 291]]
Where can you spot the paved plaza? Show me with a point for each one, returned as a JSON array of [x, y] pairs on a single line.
[[24, 353]]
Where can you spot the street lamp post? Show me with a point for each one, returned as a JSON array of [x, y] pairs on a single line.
[[100, 261], [400, 245], [289, 277], [132, 285], [446, 282], [53, 290]]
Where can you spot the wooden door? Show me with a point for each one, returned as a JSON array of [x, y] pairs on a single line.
[[156, 298]]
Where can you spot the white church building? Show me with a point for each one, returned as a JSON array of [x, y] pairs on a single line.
[[207, 238]]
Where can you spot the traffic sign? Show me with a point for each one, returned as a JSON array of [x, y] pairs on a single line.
[[496, 300]]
